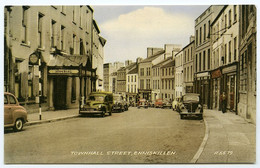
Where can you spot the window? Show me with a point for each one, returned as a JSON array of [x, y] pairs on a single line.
[[62, 39], [235, 48], [162, 84], [53, 31], [204, 60], [5, 100], [196, 37], [74, 44], [135, 78], [204, 35], [229, 16], [141, 84], [225, 21], [188, 78], [12, 100], [208, 58], [73, 15], [200, 35], [40, 27], [73, 90], [225, 54], [235, 13], [229, 51], [81, 47], [196, 64], [199, 62], [128, 79], [141, 71], [131, 78], [25, 25], [147, 83]]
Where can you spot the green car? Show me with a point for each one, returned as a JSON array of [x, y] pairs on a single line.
[[98, 103]]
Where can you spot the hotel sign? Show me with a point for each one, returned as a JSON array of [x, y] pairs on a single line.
[[63, 72]]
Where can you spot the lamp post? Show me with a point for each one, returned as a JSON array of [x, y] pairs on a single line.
[[34, 59]]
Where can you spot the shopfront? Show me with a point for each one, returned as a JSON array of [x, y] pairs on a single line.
[[230, 86], [215, 80], [202, 83]]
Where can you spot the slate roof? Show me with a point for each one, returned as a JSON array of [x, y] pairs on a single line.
[[151, 58]]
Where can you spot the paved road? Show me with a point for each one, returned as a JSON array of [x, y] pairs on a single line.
[[134, 136]]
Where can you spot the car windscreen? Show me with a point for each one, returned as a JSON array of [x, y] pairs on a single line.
[[191, 98], [96, 98]]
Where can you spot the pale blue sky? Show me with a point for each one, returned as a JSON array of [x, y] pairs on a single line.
[[129, 29]]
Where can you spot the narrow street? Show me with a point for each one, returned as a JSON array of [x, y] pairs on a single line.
[[135, 136]]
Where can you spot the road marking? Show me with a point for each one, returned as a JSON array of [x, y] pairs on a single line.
[[203, 143]]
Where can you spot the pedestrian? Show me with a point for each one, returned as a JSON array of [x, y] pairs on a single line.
[[224, 102]]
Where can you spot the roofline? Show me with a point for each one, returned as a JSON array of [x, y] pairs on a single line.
[[90, 8], [188, 44], [203, 12], [219, 14], [96, 26]]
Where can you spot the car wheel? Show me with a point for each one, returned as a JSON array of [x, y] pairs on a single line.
[[181, 116], [103, 113], [18, 125]]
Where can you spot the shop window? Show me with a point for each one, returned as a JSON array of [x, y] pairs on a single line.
[[73, 90]]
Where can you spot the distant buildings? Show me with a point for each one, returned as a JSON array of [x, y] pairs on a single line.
[[221, 57]]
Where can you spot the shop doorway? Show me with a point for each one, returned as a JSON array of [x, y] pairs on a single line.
[[59, 93]]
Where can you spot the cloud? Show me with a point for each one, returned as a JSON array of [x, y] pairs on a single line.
[[130, 34]]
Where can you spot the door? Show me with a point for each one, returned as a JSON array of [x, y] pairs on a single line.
[[59, 91]]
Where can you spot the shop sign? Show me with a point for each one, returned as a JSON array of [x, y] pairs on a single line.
[[63, 71], [216, 74], [204, 74], [232, 68]]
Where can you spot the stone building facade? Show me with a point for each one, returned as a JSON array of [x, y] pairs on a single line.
[[247, 62], [49, 55], [203, 52]]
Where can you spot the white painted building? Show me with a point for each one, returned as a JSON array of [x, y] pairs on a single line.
[[179, 90]]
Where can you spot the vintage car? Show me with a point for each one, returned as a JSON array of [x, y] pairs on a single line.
[[167, 103], [158, 103], [175, 103], [97, 103], [119, 103], [15, 116], [190, 106], [142, 103]]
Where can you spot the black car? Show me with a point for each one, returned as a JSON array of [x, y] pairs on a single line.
[[190, 106]]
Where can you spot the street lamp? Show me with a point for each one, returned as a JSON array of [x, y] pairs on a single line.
[[35, 60]]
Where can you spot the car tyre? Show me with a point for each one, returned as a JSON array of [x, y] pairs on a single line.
[[18, 125], [103, 113], [181, 116]]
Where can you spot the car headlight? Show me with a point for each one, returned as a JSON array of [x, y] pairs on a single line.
[[100, 106]]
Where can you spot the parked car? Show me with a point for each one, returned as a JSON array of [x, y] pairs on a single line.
[[167, 103], [98, 103], [15, 115], [119, 103], [158, 103], [190, 106], [142, 103], [175, 103], [151, 103]]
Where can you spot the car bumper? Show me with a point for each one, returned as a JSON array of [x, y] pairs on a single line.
[[90, 112]]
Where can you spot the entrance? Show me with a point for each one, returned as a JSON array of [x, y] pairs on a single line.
[[59, 92]]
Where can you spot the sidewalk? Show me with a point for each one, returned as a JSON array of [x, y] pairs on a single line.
[[228, 139], [49, 116]]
